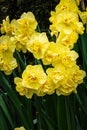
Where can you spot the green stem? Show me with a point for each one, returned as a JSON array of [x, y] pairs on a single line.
[[19, 59], [68, 114], [61, 114], [81, 103]]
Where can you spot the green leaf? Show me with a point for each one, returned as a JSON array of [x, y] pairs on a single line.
[[83, 50], [5, 110], [45, 118], [68, 114], [82, 97], [72, 106], [20, 60], [61, 113], [3, 121]]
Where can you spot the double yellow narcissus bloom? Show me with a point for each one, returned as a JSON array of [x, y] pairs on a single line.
[[66, 21], [33, 78], [7, 61], [58, 53], [65, 79], [8, 27], [26, 26], [38, 44], [20, 128], [67, 39]]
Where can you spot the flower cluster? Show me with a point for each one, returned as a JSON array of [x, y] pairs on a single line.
[[16, 35], [33, 79], [65, 22], [58, 72], [7, 48]]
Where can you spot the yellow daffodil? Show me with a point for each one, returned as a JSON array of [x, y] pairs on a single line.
[[66, 88], [74, 77], [23, 91], [66, 22], [69, 5], [8, 27], [38, 44], [7, 61], [83, 16], [65, 18], [56, 74], [21, 47], [58, 53], [79, 28], [32, 82], [68, 58], [47, 88], [7, 43], [33, 77], [65, 79], [67, 39], [77, 74], [27, 21], [26, 25], [52, 54], [20, 128]]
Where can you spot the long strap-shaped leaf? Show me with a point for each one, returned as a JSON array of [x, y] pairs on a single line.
[[5, 110], [66, 119]]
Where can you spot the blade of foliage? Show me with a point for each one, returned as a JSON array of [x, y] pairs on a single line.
[[27, 110], [72, 105], [83, 49], [66, 113], [82, 105], [5, 110], [20, 60], [82, 97], [61, 114], [3, 121], [78, 127], [44, 120], [50, 108]]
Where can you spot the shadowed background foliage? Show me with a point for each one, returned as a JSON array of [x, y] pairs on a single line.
[[40, 8]]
